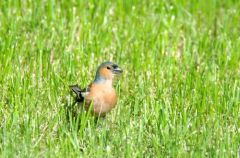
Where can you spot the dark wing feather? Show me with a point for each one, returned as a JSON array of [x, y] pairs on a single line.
[[76, 89], [80, 93]]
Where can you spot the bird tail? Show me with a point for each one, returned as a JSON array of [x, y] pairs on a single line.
[[76, 89]]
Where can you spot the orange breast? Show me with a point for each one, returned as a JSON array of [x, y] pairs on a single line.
[[102, 97]]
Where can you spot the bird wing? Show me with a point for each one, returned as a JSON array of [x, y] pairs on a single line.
[[76, 89], [80, 94]]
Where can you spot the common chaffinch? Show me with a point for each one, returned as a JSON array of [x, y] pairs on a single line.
[[100, 94]]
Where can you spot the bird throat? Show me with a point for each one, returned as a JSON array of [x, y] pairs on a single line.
[[102, 80]]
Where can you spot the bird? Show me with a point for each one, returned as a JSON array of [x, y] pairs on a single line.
[[100, 96]]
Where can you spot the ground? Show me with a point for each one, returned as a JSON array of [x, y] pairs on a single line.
[[179, 95]]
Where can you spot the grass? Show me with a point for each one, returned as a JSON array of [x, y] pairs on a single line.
[[179, 94]]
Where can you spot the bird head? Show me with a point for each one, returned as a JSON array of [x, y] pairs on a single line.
[[107, 71]]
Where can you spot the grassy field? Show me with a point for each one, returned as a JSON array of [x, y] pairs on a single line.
[[179, 94]]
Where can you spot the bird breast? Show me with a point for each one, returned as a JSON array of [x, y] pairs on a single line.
[[102, 97]]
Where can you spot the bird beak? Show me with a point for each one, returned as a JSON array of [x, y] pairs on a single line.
[[117, 70]]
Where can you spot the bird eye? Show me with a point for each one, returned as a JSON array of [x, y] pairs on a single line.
[[108, 68]]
